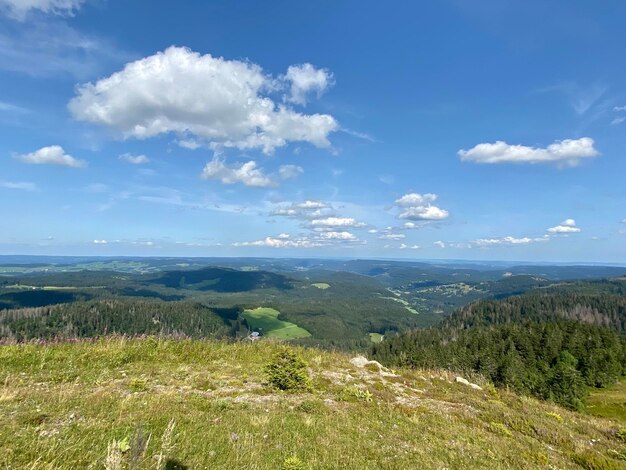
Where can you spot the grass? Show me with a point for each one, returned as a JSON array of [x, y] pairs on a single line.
[[376, 337], [266, 320], [321, 285], [156, 403], [609, 402]]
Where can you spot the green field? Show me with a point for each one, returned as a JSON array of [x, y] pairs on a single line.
[[266, 320], [376, 337], [609, 402], [321, 285]]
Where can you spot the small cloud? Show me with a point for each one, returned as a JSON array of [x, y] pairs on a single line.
[[562, 152], [567, 226], [286, 172], [336, 222], [392, 236], [440, 244], [506, 241], [134, 159], [19, 9], [386, 179], [100, 242], [420, 207], [404, 246], [52, 155], [248, 173], [23, 186], [189, 144], [306, 79], [12, 108]]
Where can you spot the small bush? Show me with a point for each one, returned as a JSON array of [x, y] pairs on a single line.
[[138, 385], [499, 428], [554, 415], [287, 372], [308, 406], [293, 463], [354, 392]]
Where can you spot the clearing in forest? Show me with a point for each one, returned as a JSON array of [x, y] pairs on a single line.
[[266, 321]]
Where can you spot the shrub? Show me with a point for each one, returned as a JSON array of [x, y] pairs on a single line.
[[293, 463], [138, 385], [288, 372]]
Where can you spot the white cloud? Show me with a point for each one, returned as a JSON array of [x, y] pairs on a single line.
[[286, 172], [419, 207], [507, 241], [222, 102], [24, 186], [12, 108], [18, 9], [100, 242], [373, 230], [272, 242], [247, 173], [393, 236], [404, 246], [624, 221], [565, 153], [134, 159], [305, 79], [424, 213], [331, 222], [567, 226], [312, 204], [52, 155], [617, 109], [414, 199], [440, 244], [618, 120], [338, 236]]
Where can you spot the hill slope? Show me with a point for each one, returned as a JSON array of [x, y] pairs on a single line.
[[150, 403]]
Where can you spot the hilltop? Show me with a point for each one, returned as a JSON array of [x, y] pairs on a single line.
[[177, 403]]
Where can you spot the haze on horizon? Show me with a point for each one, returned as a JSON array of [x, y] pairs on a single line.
[[424, 131]]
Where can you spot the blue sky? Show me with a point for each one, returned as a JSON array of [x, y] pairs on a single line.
[[432, 129]]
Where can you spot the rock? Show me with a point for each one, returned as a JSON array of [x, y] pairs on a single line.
[[361, 362], [463, 381]]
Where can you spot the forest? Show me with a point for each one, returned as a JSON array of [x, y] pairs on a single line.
[[552, 345]]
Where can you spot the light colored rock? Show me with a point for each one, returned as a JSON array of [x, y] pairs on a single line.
[[463, 381]]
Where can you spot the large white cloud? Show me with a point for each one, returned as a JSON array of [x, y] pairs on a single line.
[[564, 152], [420, 207], [224, 103], [18, 9], [247, 173], [305, 79], [567, 226], [52, 155]]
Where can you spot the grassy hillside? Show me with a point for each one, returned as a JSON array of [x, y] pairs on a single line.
[[151, 403]]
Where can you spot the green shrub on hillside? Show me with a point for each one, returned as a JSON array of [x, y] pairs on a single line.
[[288, 372]]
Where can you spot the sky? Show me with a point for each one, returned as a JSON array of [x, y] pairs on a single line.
[[441, 129]]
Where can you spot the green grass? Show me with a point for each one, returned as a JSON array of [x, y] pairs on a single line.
[[609, 402], [266, 320], [145, 404], [376, 337], [321, 285]]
